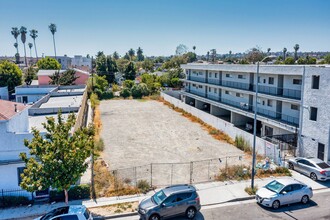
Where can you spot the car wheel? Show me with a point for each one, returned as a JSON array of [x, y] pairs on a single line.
[[291, 167], [305, 199], [191, 212], [313, 176], [276, 204], [154, 217]]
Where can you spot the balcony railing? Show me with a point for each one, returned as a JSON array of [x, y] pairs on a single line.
[[278, 116], [197, 79], [288, 93], [214, 81], [237, 85]]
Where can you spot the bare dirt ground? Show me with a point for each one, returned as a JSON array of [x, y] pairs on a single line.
[[140, 132]]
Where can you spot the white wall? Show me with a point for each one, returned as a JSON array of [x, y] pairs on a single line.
[[288, 82], [234, 77], [19, 122], [4, 93], [286, 109]]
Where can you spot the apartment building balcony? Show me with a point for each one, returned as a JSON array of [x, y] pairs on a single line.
[[277, 116], [197, 79], [268, 90]]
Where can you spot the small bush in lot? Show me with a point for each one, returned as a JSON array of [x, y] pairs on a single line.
[[251, 191], [242, 144], [75, 192], [235, 172], [107, 95], [99, 145], [136, 92], [143, 186], [278, 171], [125, 93]]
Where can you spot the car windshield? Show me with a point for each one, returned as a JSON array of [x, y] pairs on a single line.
[[159, 197], [55, 212], [275, 186], [323, 165]]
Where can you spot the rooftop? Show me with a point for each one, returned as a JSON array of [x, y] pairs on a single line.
[[63, 101], [48, 72], [36, 121], [7, 109]]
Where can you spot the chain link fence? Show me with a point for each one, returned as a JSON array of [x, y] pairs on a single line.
[[165, 174]]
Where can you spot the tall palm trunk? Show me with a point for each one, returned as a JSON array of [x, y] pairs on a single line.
[[54, 45], [25, 55], [17, 45], [35, 48]]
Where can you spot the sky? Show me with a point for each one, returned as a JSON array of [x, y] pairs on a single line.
[[158, 26]]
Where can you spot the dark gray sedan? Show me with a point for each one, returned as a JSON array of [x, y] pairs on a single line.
[[315, 168]]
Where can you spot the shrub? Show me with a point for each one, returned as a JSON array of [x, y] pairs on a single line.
[[251, 191], [94, 100], [235, 172], [143, 186], [128, 84], [278, 171], [99, 145], [115, 87], [144, 89], [125, 93], [242, 144], [75, 192], [107, 95], [136, 92], [8, 201]]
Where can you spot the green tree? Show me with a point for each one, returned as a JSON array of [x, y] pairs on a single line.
[[127, 57], [284, 53], [23, 32], [53, 29], [296, 48], [268, 51], [34, 35], [139, 54], [58, 158], [301, 61], [121, 64], [130, 71], [255, 54], [194, 48], [115, 55], [131, 53], [125, 92], [15, 32], [111, 69], [181, 49], [136, 92], [289, 60], [128, 84], [66, 78], [327, 58], [29, 75], [190, 56], [144, 89], [148, 65], [10, 75], [175, 82], [106, 66], [30, 46], [48, 64], [97, 84]]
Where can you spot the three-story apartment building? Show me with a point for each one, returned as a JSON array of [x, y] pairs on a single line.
[[288, 103]]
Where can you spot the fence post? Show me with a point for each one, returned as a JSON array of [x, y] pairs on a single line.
[[151, 175], [134, 169], [191, 171]]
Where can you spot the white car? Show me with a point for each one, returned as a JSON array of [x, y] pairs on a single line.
[[282, 192], [72, 212]]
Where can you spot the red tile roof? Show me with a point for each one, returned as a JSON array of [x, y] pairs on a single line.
[[7, 109]]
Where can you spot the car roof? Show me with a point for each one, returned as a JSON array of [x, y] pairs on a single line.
[[288, 181], [315, 160], [178, 188], [77, 209]]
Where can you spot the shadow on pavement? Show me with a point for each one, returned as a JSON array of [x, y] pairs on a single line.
[[199, 216], [291, 207], [324, 183]]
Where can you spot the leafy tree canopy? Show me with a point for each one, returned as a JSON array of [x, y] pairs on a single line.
[[58, 158], [181, 49], [139, 54], [130, 71], [255, 54], [289, 60], [29, 75], [128, 84], [66, 78], [10, 75], [48, 63]]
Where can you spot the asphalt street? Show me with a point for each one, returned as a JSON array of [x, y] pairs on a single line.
[[318, 208]]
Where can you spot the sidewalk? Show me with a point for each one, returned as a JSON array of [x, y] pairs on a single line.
[[210, 194]]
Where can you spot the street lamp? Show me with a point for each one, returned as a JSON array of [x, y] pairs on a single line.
[[255, 125]]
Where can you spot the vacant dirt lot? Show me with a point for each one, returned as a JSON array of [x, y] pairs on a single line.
[[143, 132]]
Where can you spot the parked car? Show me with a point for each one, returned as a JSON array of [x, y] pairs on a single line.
[[72, 212], [315, 168], [169, 202], [282, 192]]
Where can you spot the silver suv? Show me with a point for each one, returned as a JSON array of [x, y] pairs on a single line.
[[169, 202], [315, 168]]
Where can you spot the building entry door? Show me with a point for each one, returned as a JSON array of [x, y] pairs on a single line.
[[320, 151]]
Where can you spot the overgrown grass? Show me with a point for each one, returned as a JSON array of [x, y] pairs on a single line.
[[251, 191], [215, 133], [242, 144]]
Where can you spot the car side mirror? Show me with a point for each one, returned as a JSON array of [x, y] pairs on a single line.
[[163, 205], [284, 192]]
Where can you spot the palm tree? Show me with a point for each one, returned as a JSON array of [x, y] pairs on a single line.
[[15, 32], [194, 48], [284, 53], [34, 35], [230, 52], [268, 51], [115, 55], [23, 38], [131, 53], [296, 48], [52, 28], [30, 46]]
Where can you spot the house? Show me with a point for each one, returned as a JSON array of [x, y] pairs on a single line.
[[18, 118], [80, 62], [44, 76], [292, 105]]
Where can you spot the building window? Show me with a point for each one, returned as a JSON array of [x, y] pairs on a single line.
[[228, 75], [271, 81], [315, 82], [263, 102], [296, 81], [215, 90], [320, 151], [200, 86], [240, 76], [19, 99], [194, 72], [294, 107], [258, 101], [264, 80], [19, 172], [200, 73], [194, 85], [210, 74], [258, 79], [227, 92], [313, 114], [215, 75], [209, 89], [269, 103]]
